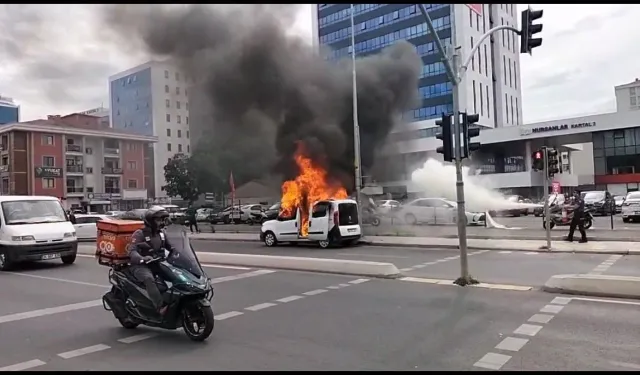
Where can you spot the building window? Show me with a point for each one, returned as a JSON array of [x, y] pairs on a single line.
[[48, 161], [473, 59], [188, 148], [48, 183], [179, 119], [168, 132], [510, 74], [504, 68], [88, 151], [132, 184], [177, 76], [47, 140], [178, 104], [506, 106], [166, 88], [112, 185], [512, 111], [186, 93], [166, 74], [89, 170], [474, 96], [187, 134], [167, 103], [179, 133], [515, 74], [187, 120], [168, 117], [488, 106], [186, 106], [481, 101], [177, 90], [517, 112], [132, 165], [168, 146], [179, 148]]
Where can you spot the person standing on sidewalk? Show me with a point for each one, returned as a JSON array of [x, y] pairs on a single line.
[[578, 218], [191, 216]]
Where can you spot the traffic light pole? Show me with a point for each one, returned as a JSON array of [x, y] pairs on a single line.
[[455, 75], [547, 214]]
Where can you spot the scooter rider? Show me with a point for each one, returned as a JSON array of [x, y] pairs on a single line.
[[147, 244]]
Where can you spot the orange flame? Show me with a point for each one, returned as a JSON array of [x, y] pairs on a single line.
[[311, 185]]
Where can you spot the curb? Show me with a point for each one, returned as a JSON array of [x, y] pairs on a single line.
[[595, 285], [320, 265]]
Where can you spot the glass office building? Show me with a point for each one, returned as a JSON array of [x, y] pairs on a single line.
[[380, 25], [9, 111]]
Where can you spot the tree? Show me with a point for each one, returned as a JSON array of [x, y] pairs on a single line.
[[181, 178]]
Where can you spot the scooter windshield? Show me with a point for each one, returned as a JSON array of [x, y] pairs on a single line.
[[183, 256]]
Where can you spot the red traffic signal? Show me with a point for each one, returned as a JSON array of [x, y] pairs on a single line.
[[538, 155]]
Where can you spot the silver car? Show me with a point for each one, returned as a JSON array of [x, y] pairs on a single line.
[[436, 211]]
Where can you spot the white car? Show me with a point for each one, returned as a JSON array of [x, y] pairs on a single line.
[[386, 206], [249, 209], [436, 211], [202, 214], [631, 207], [85, 226]]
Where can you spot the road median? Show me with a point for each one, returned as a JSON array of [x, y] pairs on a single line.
[[439, 243], [595, 285], [334, 266]]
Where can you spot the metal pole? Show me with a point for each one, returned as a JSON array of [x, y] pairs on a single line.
[[356, 127], [547, 214]]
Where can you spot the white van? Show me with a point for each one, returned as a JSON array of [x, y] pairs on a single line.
[[331, 222], [35, 228]]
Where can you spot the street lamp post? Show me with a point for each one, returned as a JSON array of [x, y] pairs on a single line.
[[356, 126]]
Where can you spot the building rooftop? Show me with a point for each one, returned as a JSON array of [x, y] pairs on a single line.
[[58, 125], [634, 83]]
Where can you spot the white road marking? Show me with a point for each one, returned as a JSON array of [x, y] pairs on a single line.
[[605, 265], [83, 351], [552, 309], [531, 253], [58, 279], [512, 344], [451, 258], [136, 338], [374, 255], [334, 287], [315, 292], [615, 363], [418, 266], [604, 301], [505, 252], [528, 330], [406, 269], [429, 263], [23, 365], [540, 318], [522, 288], [260, 306], [289, 299], [227, 315], [241, 276], [493, 361], [343, 285], [358, 281], [49, 311], [561, 300]]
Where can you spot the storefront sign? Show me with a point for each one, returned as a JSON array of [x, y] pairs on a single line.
[[48, 172], [556, 188], [552, 128]]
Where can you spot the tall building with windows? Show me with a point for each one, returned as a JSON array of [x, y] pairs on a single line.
[[490, 88], [153, 99], [9, 111]]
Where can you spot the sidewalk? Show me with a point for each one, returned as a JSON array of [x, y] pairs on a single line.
[[592, 247]]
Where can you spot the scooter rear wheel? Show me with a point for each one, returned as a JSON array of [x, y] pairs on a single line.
[[127, 323]]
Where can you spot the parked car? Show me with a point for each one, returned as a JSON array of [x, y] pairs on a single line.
[[85, 226], [631, 207], [436, 211], [619, 200], [226, 216], [202, 214], [273, 211], [384, 207], [599, 202], [515, 212]]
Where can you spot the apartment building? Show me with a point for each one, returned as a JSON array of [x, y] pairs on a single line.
[[80, 162]]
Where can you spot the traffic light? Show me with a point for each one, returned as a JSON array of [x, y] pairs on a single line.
[[445, 136], [468, 133], [552, 161], [527, 41], [537, 159]]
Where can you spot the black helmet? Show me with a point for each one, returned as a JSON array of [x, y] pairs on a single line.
[[153, 213]]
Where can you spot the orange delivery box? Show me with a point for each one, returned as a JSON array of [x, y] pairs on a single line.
[[114, 236]]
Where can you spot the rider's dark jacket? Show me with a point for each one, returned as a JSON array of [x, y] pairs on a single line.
[[157, 241]]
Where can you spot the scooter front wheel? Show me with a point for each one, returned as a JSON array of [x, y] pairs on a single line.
[[198, 321], [588, 223]]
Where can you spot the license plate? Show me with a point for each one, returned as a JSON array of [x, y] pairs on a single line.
[[351, 230], [49, 256]]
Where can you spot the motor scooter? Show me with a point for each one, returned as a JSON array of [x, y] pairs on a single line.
[[561, 215]]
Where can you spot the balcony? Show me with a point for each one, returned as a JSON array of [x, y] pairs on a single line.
[[109, 170], [4, 168], [112, 190], [72, 190], [74, 148], [75, 169], [108, 151]]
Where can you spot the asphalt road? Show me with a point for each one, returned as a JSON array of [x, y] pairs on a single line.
[[524, 228], [503, 267], [50, 321]]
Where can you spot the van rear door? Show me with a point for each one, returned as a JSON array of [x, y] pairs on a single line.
[[319, 221], [348, 220]]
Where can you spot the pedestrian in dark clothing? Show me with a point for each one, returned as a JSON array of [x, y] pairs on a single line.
[[191, 216], [578, 218]]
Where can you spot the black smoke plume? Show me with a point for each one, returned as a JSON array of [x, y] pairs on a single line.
[[266, 90]]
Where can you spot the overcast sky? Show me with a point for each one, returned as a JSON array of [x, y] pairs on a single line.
[[54, 60]]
